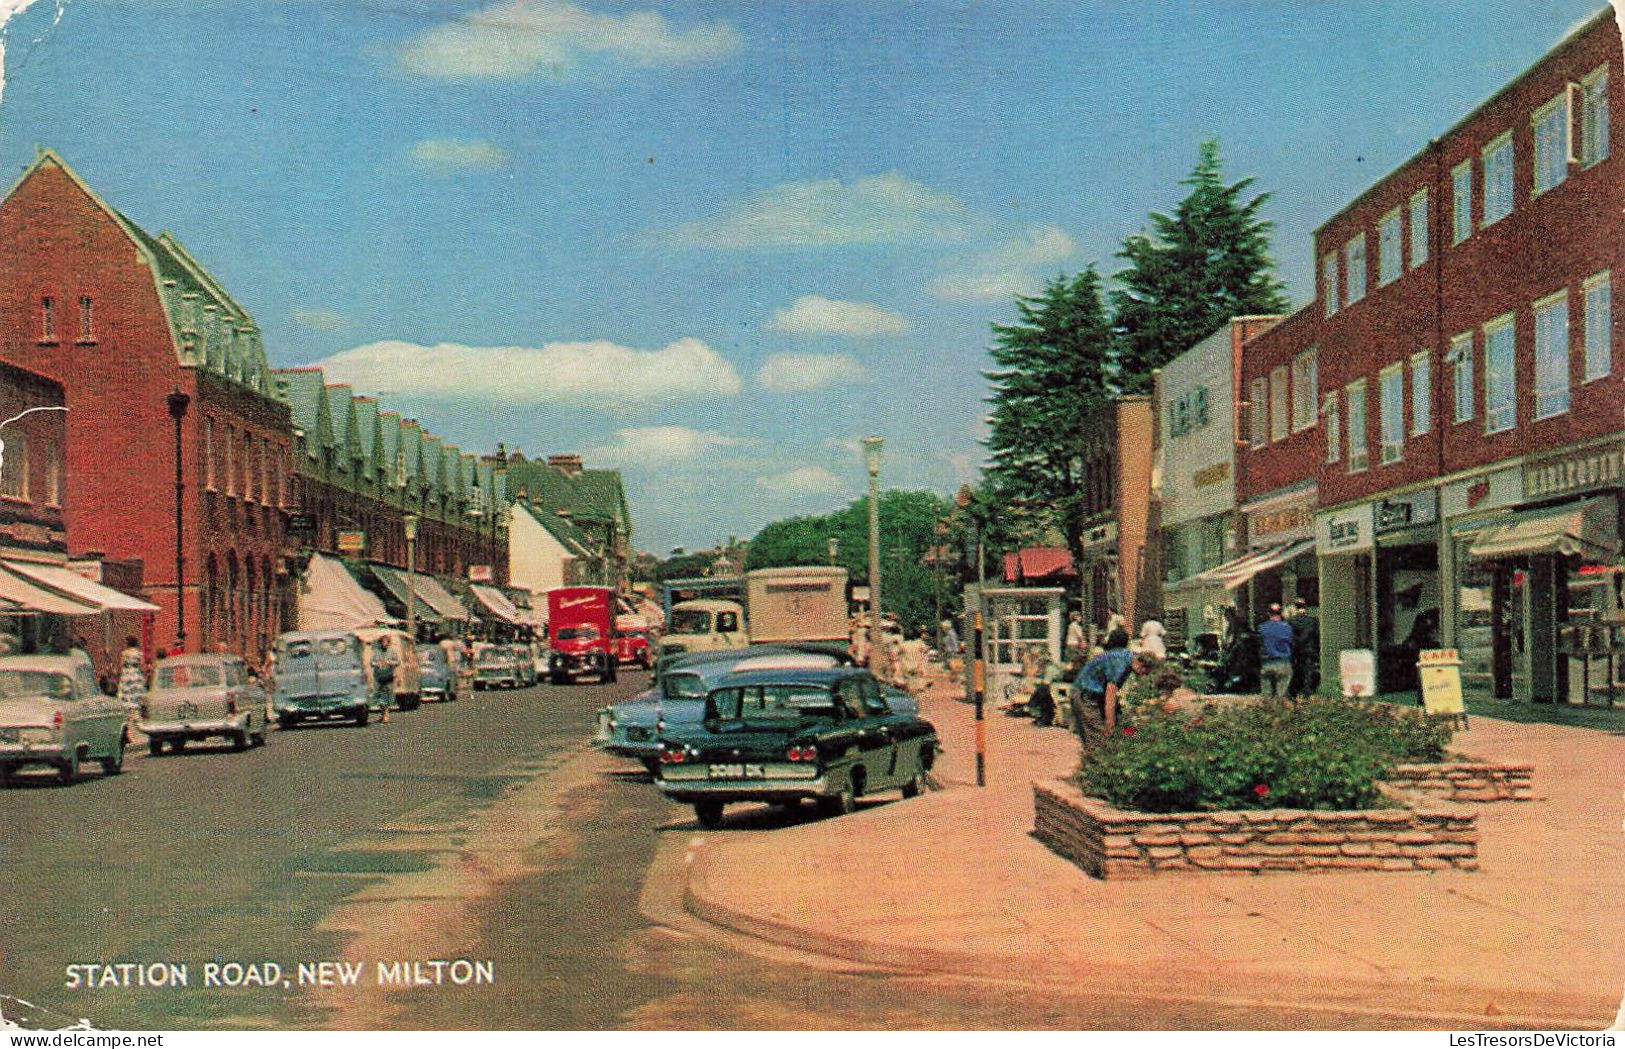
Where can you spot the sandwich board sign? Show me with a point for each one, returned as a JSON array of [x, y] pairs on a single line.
[[1440, 671]]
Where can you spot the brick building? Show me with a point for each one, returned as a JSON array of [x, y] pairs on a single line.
[[1453, 393], [1118, 569], [122, 320]]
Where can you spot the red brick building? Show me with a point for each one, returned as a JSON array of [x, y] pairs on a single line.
[[122, 320], [1453, 393]]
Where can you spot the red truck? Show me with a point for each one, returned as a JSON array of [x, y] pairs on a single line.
[[581, 633]]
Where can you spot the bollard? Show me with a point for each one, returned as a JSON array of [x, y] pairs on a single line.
[[978, 693]]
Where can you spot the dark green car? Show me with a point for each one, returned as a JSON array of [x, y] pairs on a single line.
[[784, 735]]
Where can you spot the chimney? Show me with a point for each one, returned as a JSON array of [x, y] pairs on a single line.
[[569, 463]]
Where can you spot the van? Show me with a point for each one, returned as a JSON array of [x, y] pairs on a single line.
[[320, 674], [408, 673]]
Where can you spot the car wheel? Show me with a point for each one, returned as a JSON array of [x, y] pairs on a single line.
[[361, 717], [239, 740], [155, 745], [113, 764], [8, 774], [913, 787], [286, 721], [609, 675], [177, 744], [68, 772], [653, 765], [258, 738], [709, 813], [843, 804]]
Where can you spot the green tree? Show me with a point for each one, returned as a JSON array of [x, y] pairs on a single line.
[[1050, 376], [1198, 268]]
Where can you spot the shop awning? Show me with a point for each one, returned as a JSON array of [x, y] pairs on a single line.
[[497, 603], [1589, 528], [441, 600], [25, 596], [67, 581], [330, 598], [395, 582], [1239, 571]]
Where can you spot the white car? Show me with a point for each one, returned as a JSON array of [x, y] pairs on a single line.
[[199, 697], [52, 712]]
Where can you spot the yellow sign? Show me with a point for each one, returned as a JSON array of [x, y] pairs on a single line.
[[352, 542], [1441, 682]]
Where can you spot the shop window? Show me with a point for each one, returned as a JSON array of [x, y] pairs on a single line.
[[1278, 403], [1552, 356], [1328, 282], [1359, 442], [1390, 257], [1305, 389], [1461, 202], [1594, 118], [1599, 324], [14, 466], [1497, 180], [1354, 268], [1419, 227], [1500, 373], [1461, 375], [1421, 393], [1333, 426], [1391, 393], [1551, 125]]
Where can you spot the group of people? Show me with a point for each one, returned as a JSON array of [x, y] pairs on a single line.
[[1289, 653]]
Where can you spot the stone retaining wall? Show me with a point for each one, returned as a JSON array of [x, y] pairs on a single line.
[[1110, 843], [1468, 781]]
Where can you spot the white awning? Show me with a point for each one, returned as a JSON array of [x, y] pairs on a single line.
[[1586, 528], [441, 600], [67, 581], [331, 599], [27, 597], [498, 604], [1265, 560]]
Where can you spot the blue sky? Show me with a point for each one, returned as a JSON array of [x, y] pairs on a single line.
[[715, 243]]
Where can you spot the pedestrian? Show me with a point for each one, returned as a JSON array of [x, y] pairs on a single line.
[[132, 676], [1305, 651], [1275, 667], [949, 639], [1074, 636], [1094, 691], [1114, 621], [383, 676], [1152, 633]]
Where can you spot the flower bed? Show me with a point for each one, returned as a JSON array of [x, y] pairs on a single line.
[[1110, 843]]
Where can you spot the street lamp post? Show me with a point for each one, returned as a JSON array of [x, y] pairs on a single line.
[[871, 459], [834, 549], [178, 402], [411, 527]]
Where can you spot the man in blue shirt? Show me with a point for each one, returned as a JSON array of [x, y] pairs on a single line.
[[1275, 671], [1094, 690]]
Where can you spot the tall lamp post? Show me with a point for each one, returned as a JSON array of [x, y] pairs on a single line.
[[410, 523], [871, 459], [178, 402]]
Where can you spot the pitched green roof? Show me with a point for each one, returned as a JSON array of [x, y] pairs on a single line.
[[305, 393]]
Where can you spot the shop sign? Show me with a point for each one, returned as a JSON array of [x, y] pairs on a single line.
[[1487, 492], [1344, 531], [1597, 468], [1440, 671], [1285, 522], [1357, 671], [1404, 511], [1208, 476], [352, 542], [479, 573]]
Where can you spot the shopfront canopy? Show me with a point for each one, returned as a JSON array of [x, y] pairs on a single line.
[[1240, 571], [70, 583], [23, 595], [330, 598], [1588, 528], [440, 599], [497, 603], [396, 583]]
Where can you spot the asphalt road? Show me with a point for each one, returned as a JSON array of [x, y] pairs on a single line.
[[213, 856]]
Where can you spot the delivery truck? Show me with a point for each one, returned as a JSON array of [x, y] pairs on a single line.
[[581, 633], [795, 604]]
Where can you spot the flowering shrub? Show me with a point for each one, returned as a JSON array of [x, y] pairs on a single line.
[[1315, 754]]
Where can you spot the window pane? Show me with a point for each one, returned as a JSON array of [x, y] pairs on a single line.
[[1500, 404], [1388, 248], [1551, 145], [1393, 414], [1278, 403], [1552, 359], [1461, 202], [1461, 349], [1594, 120], [14, 465], [1258, 418], [1334, 428], [1305, 389], [1328, 283], [1354, 267], [1599, 328], [1498, 181], [1358, 443], [1419, 227], [1421, 394]]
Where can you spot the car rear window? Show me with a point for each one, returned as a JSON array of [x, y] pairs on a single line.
[[188, 677], [569, 632], [773, 701], [35, 684], [683, 686]]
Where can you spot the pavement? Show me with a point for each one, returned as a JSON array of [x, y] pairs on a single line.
[[953, 882]]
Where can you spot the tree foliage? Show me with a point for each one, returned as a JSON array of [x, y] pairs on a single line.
[[1201, 266], [1050, 375]]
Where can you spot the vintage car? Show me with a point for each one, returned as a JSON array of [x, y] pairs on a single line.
[[202, 697], [496, 666], [632, 729], [408, 683], [784, 735], [525, 660], [437, 677], [704, 625], [632, 647], [53, 713], [320, 674]]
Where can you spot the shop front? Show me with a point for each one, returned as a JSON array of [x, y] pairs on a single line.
[[1405, 530], [1483, 603], [1099, 575], [1283, 568], [1345, 545]]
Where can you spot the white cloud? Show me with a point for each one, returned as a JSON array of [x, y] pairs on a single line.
[[876, 209], [320, 319], [816, 315], [805, 372], [10, 9], [651, 445], [521, 39], [445, 156], [1007, 269], [803, 480], [587, 373]]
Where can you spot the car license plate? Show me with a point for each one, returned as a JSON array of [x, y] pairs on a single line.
[[186, 710], [738, 771]]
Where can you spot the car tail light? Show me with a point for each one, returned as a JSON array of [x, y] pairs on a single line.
[[56, 719], [673, 756], [799, 752], [231, 707]]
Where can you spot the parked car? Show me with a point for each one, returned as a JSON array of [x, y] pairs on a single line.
[[320, 674], [495, 666], [525, 660], [437, 678], [202, 697], [784, 735], [408, 675], [632, 647], [52, 712]]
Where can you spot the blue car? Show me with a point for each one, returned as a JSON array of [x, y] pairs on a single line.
[[438, 680], [319, 674]]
